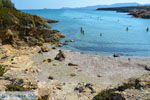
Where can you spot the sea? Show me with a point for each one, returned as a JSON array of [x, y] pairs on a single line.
[[105, 32]]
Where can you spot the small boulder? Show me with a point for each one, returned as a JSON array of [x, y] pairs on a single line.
[[73, 74], [116, 55], [53, 48], [31, 69], [60, 56], [43, 94], [47, 60], [147, 68], [71, 64], [69, 41], [99, 76], [51, 77], [82, 88], [54, 64], [44, 49]]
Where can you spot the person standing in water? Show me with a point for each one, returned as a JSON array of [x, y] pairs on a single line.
[[147, 29], [81, 31], [127, 29], [101, 34]]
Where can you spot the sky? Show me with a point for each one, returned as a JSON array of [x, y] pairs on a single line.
[[55, 4]]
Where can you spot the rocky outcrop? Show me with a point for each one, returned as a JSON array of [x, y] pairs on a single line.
[[134, 88], [136, 11], [50, 20], [22, 29], [85, 87]]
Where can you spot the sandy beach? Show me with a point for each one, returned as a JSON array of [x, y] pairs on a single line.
[[62, 77], [36, 61]]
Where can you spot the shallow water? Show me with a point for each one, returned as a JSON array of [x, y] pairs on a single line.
[[112, 26]]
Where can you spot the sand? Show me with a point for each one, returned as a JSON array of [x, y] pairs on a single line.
[[103, 72]]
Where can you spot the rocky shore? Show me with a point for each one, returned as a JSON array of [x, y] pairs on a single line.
[[22, 29], [136, 11], [73, 76], [30, 61]]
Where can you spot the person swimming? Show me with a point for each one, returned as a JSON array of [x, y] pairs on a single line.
[[147, 29]]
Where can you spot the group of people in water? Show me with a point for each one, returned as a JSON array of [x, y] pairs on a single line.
[[147, 29], [82, 30], [127, 29]]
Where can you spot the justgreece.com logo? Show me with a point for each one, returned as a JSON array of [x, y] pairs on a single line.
[[19, 95]]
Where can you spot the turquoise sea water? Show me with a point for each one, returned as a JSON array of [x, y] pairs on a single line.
[[112, 26]]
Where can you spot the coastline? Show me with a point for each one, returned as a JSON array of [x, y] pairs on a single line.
[[136, 11], [102, 72], [31, 61], [107, 54]]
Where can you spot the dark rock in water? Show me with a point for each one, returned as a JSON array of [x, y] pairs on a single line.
[[60, 56], [147, 68], [116, 55], [69, 41], [65, 43], [60, 45], [50, 20], [71, 64]]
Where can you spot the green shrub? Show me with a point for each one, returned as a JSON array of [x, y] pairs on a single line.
[[108, 95], [2, 70], [20, 87], [15, 87], [1, 4], [6, 3]]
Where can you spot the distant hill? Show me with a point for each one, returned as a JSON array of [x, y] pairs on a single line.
[[108, 6], [113, 5], [147, 4]]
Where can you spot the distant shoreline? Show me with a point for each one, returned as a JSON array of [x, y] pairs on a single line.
[[136, 11]]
